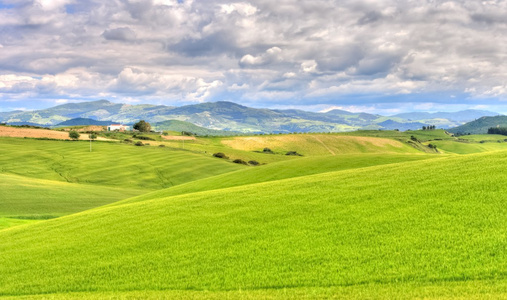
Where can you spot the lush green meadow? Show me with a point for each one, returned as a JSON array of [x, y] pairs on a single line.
[[367, 216], [282, 170], [42, 179], [422, 223], [31, 198], [109, 164]]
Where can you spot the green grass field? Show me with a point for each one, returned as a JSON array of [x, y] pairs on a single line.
[[41, 179], [109, 164], [419, 223], [282, 170], [31, 198], [355, 217]]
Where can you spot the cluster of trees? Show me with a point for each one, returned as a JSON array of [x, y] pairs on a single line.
[[497, 130], [429, 127]]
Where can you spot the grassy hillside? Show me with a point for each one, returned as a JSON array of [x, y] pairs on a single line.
[[434, 225], [30, 198], [109, 164], [308, 145], [41, 179], [481, 125], [281, 170], [318, 144]]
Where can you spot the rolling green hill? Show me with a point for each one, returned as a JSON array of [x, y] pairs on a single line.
[[480, 126], [110, 164], [433, 228], [24, 198], [281, 170], [41, 179]]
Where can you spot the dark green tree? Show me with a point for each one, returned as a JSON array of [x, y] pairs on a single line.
[[74, 135], [142, 126]]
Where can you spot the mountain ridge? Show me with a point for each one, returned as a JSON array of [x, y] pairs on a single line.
[[230, 116]]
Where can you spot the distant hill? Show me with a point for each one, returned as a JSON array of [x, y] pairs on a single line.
[[83, 121], [229, 116], [27, 124], [392, 125], [480, 126], [179, 126], [461, 116]]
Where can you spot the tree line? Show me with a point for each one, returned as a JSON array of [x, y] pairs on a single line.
[[497, 130]]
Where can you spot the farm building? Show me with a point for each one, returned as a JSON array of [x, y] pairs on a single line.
[[118, 127]]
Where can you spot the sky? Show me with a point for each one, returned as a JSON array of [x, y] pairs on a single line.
[[376, 56]]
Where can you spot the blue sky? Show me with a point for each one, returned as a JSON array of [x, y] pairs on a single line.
[[377, 56]]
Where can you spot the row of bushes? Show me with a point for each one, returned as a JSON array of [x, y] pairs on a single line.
[[236, 161], [269, 151]]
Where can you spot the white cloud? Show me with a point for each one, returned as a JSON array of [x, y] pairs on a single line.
[[271, 55], [51, 4], [174, 51], [309, 66], [244, 9]]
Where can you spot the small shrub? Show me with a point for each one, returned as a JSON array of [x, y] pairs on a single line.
[[161, 145], [239, 161], [220, 155], [128, 141], [144, 138], [139, 143], [293, 153], [254, 162], [267, 150]]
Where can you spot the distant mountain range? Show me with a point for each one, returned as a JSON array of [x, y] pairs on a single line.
[[230, 116]]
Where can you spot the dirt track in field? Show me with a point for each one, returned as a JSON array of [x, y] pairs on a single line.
[[38, 133]]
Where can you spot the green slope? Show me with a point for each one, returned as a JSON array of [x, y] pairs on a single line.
[[281, 170], [481, 125], [318, 144], [24, 197], [109, 164], [42, 179], [427, 224]]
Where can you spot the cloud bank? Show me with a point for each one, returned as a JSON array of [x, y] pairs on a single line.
[[381, 54]]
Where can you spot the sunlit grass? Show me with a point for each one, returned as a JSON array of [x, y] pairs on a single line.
[[439, 223]]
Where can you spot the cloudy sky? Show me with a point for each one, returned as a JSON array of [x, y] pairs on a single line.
[[382, 56]]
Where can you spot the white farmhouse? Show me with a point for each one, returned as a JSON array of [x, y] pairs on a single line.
[[118, 127]]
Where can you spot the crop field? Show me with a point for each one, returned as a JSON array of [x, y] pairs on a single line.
[[356, 217], [318, 144]]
